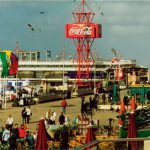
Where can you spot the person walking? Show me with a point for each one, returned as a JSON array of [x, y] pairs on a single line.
[[22, 131], [5, 135], [24, 116], [29, 113], [61, 119], [9, 122], [64, 105]]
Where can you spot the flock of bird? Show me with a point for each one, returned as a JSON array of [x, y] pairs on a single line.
[[43, 12]]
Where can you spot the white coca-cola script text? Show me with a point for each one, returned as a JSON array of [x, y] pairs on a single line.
[[80, 31]]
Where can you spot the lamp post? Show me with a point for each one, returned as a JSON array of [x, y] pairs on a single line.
[[64, 54], [94, 77]]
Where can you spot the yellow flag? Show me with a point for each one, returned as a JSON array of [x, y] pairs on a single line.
[[8, 53]]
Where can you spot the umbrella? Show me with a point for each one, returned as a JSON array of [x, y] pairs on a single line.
[[41, 143], [90, 136], [115, 95], [133, 104], [142, 94], [122, 107], [122, 111], [132, 131]]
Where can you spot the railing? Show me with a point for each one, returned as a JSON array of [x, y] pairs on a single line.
[[110, 140]]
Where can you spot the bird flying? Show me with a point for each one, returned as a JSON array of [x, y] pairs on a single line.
[[31, 27], [42, 12], [101, 11], [114, 51]]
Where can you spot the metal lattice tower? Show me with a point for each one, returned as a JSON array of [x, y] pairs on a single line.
[[83, 32]]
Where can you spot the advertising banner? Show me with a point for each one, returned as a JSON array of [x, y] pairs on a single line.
[[83, 30]]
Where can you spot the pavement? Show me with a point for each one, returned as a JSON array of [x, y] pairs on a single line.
[[39, 110]]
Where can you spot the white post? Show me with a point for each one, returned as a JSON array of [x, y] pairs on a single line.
[[5, 98], [4, 94], [16, 83]]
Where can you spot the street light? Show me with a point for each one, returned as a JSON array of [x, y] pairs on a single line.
[[94, 77], [64, 54]]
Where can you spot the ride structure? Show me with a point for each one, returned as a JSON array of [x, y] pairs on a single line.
[[83, 32]]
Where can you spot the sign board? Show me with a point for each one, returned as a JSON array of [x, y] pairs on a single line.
[[83, 30]]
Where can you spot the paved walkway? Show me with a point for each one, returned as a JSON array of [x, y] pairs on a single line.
[[39, 110]]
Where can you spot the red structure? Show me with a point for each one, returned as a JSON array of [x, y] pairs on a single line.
[[83, 32]]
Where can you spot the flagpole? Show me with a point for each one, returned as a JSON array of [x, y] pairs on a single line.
[[3, 93], [16, 88], [5, 98]]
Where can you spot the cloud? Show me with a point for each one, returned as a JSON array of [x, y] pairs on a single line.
[[122, 17]]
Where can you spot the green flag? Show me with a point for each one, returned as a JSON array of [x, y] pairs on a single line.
[[5, 70]]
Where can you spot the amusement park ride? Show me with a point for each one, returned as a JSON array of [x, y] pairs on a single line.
[[83, 32]]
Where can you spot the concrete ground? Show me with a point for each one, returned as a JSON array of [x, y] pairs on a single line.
[[40, 110]]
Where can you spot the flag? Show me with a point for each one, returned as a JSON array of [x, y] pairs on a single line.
[[8, 54], [5, 65], [14, 64], [9, 63]]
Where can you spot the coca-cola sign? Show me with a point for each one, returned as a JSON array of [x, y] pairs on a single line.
[[81, 30]]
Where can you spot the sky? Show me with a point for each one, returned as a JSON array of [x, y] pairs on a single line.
[[125, 26]]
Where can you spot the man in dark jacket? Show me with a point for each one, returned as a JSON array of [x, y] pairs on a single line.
[[24, 115], [12, 142], [61, 119], [15, 131]]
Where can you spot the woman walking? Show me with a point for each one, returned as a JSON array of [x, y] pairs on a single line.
[[24, 116]]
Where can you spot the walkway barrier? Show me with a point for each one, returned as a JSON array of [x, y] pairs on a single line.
[[110, 140], [107, 107]]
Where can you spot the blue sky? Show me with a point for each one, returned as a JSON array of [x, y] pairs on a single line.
[[125, 26]]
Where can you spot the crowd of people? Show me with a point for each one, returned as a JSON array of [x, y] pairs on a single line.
[[50, 118], [12, 134]]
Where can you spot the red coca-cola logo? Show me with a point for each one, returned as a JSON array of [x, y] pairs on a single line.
[[83, 30], [80, 30]]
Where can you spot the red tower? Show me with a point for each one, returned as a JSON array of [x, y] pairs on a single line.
[[83, 32]]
